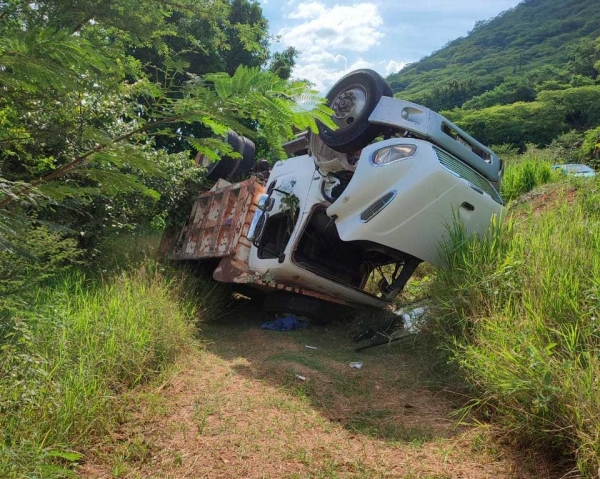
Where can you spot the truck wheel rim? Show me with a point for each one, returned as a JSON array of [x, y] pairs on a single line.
[[349, 105]]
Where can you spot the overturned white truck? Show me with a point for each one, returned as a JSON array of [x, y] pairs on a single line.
[[351, 214]]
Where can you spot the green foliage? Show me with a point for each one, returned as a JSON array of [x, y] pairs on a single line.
[[533, 34], [513, 90], [585, 56], [211, 37], [451, 95], [94, 88], [580, 106], [283, 62], [505, 151], [67, 359], [276, 104], [590, 148], [516, 124], [565, 148], [40, 255], [517, 311], [524, 176]]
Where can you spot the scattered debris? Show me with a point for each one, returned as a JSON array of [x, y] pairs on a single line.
[[412, 319], [301, 378], [285, 323], [310, 347], [356, 365]]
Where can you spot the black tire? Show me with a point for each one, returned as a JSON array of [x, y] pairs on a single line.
[[300, 305], [354, 132], [226, 165], [244, 164]]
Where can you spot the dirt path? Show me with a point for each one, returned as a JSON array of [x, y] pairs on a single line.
[[235, 408]]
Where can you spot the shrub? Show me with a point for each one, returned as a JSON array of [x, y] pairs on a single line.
[[590, 147], [518, 312], [35, 254], [565, 148], [505, 151]]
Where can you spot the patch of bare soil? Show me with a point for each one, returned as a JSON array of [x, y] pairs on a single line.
[[541, 199], [236, 408]]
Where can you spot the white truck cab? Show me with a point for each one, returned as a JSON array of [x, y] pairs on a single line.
[[352, 214]]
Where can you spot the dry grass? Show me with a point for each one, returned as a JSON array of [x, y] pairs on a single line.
[[236, 409]]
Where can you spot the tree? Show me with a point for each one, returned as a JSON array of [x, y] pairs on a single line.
[[80, 115], [282, 63], [581, 106], [219, 37], [583, 57], [247, 33]]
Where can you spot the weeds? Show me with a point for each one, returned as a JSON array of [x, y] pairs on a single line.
[[522, 177], [518, 313]]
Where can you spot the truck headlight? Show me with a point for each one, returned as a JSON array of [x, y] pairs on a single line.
[[393, 153]]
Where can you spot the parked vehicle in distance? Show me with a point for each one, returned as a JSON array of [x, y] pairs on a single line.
[[349, 217], [574, 169]]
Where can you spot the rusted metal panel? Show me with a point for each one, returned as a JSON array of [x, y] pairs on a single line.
[[219, 222]]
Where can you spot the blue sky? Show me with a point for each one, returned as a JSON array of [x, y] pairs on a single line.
[[335, 37]]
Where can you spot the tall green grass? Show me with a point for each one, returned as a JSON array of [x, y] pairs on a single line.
[[67, 357], [523, 176], [519, 314]]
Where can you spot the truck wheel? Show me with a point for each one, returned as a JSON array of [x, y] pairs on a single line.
[[223, 167], [300, 305], [227, 167], [246, 162], [353, 99]]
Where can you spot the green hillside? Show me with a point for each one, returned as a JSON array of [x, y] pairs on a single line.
[[533, 34]]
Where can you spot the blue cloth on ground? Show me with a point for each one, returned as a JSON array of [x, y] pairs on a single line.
[[285, 323]]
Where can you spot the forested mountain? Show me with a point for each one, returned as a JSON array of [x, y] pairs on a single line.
[[530, 75], [533, 34]]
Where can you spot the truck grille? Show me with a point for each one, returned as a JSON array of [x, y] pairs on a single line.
[[458, 168], [376, 207]]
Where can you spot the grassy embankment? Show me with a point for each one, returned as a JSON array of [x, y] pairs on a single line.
[[71, 349], [518, 314]]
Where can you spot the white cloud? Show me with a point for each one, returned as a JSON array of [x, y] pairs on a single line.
[[324, 75], [307, 10], [327, 35], [394, 67], [353, 28]]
